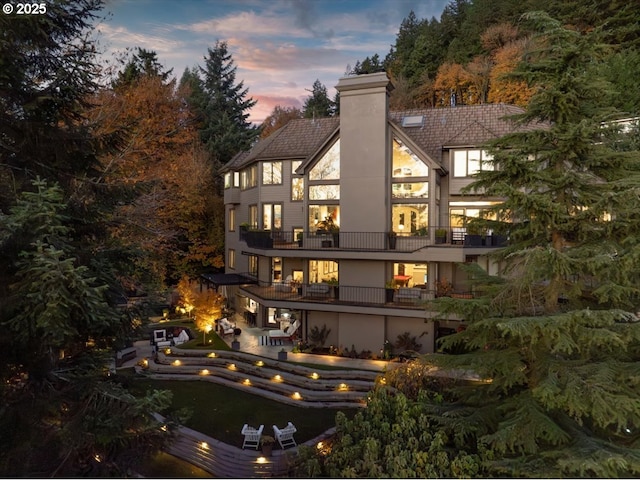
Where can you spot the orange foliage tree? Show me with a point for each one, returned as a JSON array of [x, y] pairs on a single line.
[[206, 304], [161, 175], [505, 89], [453, 79]]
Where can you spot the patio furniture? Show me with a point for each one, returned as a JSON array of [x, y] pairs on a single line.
[[287, 333], [225, 327], [285, 435], [318, 289], [251, 436]]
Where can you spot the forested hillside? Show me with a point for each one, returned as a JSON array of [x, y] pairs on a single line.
[[464, 56]]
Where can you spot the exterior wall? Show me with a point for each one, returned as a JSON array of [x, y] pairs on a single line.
[[423, 331], [319, 319], [364, 332]]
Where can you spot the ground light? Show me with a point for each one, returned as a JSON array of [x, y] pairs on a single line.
[[204, 372]]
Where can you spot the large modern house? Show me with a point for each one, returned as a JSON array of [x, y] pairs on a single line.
[[352, 224]]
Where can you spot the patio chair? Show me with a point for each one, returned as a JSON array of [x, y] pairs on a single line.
[[287, 333], [251, 436], [285, 435]]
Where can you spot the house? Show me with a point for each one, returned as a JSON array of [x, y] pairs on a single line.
[[342, 207]]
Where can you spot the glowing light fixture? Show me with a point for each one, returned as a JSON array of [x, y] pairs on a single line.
[[247, 382], [260, 363], [232, 366], [315, 376], [204, 371], [177, 363], [296, 396], [212, 355], [277, 378], [204, 445]]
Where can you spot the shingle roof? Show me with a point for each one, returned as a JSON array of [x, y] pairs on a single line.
[[464, 125], [299, 139]]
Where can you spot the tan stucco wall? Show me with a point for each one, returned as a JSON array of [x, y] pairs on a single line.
[[423, 331], [364, 332]]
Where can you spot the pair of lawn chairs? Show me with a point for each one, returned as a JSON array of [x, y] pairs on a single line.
[[283, 435]]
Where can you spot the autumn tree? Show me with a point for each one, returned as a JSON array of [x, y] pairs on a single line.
[[278, 118], [160, 173]]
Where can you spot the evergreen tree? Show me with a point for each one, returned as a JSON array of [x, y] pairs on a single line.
[[144, 62], [318, 105], [556, 338], [220, 105]]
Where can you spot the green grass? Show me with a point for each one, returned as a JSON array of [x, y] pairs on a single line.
[[220, 412]]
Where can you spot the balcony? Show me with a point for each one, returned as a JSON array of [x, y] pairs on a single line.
[[323, 293], [369, 241]]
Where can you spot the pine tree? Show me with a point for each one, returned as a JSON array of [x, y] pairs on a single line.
[[556, 339], [220, 105], [318, 104]]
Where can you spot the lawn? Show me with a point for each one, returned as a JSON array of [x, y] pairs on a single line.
[[220, 412]]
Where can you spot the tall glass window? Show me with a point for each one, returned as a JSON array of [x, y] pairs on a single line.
[[470, 162], [272, 216], [409, 192]]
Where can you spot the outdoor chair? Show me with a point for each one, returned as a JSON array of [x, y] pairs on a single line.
[[251, 436], [287, 333], [285, 435]]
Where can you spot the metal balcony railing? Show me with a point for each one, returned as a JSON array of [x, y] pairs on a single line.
[[413, 298], [369, 241]]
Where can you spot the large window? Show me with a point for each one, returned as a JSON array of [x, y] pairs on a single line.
[[271, 173], [409, 183], [324, 192], [470, 162], [297, 189], [410, 218], [323, 271], [271, 216], [322, 214], [249, 177], [328, 167]]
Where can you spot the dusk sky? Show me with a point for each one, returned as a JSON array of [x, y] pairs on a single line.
[[280, 47]]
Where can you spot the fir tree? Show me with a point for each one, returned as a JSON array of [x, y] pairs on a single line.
[[318, 105], [220, 105], [556, 338]]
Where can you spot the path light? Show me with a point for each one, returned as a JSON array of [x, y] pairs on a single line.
[[259, 363], [247, 382], [383, 381], [343, 387], [204, 445], [296, 396], [262, 460], [145, 363], [277, 378], [204, 372], [176, 363], [167, 351], [212, 355], [232, 366], [164, 428], [315, 376]]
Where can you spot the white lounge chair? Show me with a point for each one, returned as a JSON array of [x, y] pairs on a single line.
[[251, 436], [287, 333], [285, 435]]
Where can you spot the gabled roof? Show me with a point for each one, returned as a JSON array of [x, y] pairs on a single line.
[[460, 126], [298, 139]]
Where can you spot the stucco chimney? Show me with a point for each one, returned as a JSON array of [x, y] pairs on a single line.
[[365, 147]]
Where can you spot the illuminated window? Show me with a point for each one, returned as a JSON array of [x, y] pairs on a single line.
[[470, 162], [253, 265], [297, 189], [271, 173], [232, 219], [328, 167], [253, 216], [271, 216], [410, 218], [320, 215], [406, 164], [249, 177], [232, 258], [227, 180], [324, 192]]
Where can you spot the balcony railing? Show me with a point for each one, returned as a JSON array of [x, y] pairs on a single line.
[[369, 241], [411, 298]]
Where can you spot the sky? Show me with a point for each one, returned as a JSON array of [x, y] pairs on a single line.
[[279, 47]]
